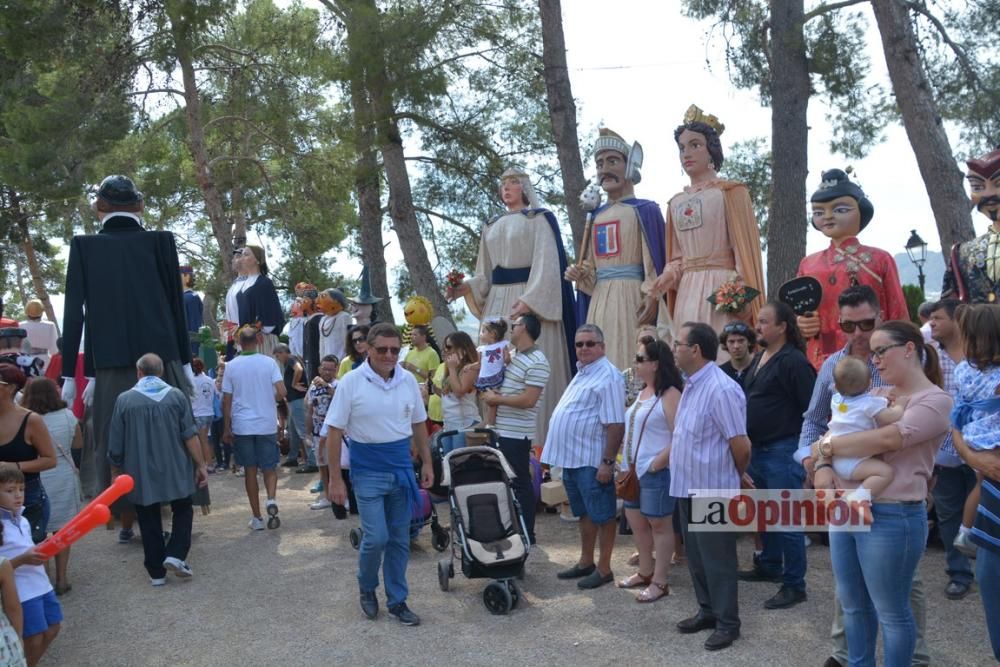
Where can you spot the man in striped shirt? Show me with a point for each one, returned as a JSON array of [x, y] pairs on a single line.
[[585, 433], [860, 313], [517, 404], [710, 450]]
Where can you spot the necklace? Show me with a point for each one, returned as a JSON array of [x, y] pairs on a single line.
[[631, 427], [333, 322]]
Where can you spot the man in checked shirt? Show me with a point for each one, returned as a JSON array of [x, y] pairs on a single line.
[[860, 313]]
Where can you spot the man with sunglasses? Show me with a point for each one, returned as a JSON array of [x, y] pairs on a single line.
[[379, 403], [860, 313], [584, 436]]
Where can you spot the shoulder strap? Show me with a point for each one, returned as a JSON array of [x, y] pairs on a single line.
[[642, 429]]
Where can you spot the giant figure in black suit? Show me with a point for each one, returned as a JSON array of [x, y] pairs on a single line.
[[122, 286]]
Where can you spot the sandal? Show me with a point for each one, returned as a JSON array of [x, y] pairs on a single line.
[[653, 592], [674, 560], [635, 580]]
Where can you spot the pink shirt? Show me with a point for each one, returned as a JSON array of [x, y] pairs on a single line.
[[924, 424]]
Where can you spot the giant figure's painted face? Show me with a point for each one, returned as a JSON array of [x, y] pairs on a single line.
[[693, 149], [984, 181], [838, 218], [327, 304], [512, 193], [418, 311], [611, 171]]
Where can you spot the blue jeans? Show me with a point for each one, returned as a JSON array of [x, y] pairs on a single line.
[[297, 433], [772, 467], [988, 573], [952, 488], [874, 575], [384, 508]]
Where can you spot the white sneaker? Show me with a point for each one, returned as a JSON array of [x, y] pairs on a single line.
[[162, 581], [178, 567], [964, 545], [321, 504], [257, 523], [569, 517]]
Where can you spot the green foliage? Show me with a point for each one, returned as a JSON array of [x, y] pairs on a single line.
[[914, 297], [749, 162]]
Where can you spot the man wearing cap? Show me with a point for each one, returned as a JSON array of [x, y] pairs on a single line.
[[43, 337], [192, 308], [973, 274], [121, 284], [841, 210], [625, 252]]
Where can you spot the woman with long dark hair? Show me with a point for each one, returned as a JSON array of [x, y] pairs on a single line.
[[648, 428], [458, 391], [874, 569], [357, 349]]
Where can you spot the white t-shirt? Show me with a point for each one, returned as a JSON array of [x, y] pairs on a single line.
[[374, 410], [250, 378], [202, 404], [853, 414]]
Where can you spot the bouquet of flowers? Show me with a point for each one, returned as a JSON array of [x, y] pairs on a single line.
[[454, 279], [732, 295]]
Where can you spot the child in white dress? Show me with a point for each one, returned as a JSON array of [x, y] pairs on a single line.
[[494, 355]]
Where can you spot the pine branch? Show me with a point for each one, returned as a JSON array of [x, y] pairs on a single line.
[[831, 7]]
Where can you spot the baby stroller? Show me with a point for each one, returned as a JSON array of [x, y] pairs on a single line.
[[488, 529], [423, 514]]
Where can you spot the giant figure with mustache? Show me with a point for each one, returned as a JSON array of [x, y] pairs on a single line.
[[711, 231], [624, 253], [974, 271], [841, 210]]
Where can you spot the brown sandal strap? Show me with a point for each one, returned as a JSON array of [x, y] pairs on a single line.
[[664, 589], [635, 580]]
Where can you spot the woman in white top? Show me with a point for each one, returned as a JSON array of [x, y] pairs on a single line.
[[62, 483], [648, 428], [458, 393]]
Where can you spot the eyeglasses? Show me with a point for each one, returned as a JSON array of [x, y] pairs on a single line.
[[848, 326], [639, 359], [587, 343], [356, 340], [517, 324], [880, 351], [391, 351], [678, 344]]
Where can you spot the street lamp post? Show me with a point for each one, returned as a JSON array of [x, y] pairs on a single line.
[[916, 249]]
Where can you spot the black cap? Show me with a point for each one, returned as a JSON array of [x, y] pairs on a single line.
[[119, 190], [835, 183]]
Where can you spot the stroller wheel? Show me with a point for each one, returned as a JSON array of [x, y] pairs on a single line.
[[440, 538], [355, 537], [444, 568], [515, 593], [497, 598]]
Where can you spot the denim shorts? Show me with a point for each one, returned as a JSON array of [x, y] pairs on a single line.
[[257, 451], [588, 497], [40, 614], [655, 500], [204, 422]]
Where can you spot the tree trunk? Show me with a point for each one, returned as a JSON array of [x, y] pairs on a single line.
[[789, 90], [942, 177], [209, 316], [196, 137], [562, 113], [390, 144], [34, 268]]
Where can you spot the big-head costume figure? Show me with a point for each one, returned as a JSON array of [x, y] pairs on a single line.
[[363, 305], [519, 270], [311, 318], [973, 273], [623, 253], [841, 210], [333, 327], [711, 231], [122, 286]]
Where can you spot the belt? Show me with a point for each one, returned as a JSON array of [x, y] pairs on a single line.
[[709, 262], [621, 272], [505, 276]]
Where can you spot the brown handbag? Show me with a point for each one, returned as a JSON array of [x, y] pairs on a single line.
[[626, 481]]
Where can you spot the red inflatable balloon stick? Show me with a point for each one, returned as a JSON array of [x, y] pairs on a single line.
[[122, 485], [90, 517]]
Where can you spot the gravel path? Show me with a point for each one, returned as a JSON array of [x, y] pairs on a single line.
[[289, 597]]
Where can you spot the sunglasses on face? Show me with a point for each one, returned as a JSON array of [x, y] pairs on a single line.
[[391, 351], [848, 326], [356, 340], [639, 359], [587, 343]]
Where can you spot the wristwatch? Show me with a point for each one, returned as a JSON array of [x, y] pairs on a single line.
[[608, 462]]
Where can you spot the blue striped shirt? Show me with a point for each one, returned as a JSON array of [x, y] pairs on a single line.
[[712, 411], [947, 456], [578, 426], [986, 529], [815, 420]]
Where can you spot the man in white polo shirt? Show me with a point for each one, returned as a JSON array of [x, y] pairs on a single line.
[[379, 403], [585, 433], [517, 404]]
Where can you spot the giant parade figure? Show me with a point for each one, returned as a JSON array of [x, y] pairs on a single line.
[[122, 287], [712, 233], [518, 271], [841, 210], [623, 252], [973, 273]]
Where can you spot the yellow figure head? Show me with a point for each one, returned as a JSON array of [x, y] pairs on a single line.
[[418, 310]]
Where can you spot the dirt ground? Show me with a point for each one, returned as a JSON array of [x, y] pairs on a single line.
[[289, 597]]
